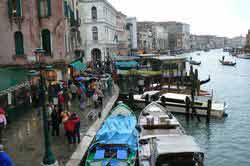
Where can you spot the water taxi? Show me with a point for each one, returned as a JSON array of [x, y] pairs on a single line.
[[163, 140]]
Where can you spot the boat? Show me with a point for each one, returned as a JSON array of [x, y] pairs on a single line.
[[116, 141], [163, 140], [176, 103], [243, 56], [198, 54], [193, 62], [227, 63]]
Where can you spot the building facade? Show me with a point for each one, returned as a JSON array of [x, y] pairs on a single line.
[[26, 25], [132, 32], [98, 29], [122, 34]]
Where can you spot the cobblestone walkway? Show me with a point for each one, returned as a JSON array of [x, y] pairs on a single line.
[[23, 139]]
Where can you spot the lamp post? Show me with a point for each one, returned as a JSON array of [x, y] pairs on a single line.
[[49, 158]]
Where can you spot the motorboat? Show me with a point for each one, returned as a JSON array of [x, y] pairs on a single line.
[[163, 140], [176, 103], [116, 141], [193, 62]]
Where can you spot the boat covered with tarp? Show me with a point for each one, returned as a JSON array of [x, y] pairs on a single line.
[[116, 142]]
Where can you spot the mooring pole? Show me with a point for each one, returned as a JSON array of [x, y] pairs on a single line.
[[187, 108], [209, 108]]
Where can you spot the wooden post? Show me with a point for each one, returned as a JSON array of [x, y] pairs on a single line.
[[147, 102], [163, 101], [196, 81], [209, 108], [131, 98], [187, 102]]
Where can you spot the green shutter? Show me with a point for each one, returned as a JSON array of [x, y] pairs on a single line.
[[39, 8], [19, 8], [10, 8], [49, 7], [46, 41], [66, 11], [19, 43]]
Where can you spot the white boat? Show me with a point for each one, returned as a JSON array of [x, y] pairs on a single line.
[[176, 103], [163, 140], [244, 56]]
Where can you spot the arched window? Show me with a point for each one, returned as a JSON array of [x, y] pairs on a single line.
[[46, 41], [19, 43], [95, 33], [94, 13]]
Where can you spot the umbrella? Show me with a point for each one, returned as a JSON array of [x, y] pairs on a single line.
[[80, 78]]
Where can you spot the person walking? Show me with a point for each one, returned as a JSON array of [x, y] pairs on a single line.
[[5, 159], [76, 120], [3, 123], [61, 100], [55, 121], [69, 127], [73, 90]]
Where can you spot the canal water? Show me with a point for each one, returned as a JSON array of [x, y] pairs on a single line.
[[225, 142]]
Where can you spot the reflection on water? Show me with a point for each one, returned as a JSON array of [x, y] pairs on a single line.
[[225, 142]]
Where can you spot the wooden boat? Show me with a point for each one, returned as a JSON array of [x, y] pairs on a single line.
[[227, 63], [176, 104], [116, 142], [163, 140]]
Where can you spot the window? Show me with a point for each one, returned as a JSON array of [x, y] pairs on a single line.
[[46, 41], [94, 13], [95, 33], [44, 8], [14, 8], [19, 43]]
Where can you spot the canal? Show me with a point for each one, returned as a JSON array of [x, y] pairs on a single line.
[[225, 142]]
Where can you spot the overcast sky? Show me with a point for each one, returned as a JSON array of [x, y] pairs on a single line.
[[216, 17]]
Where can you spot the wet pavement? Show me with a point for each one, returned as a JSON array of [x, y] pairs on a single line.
[[23, 139]]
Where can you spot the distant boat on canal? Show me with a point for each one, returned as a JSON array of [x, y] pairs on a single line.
[[163, 140], [227, 63], [193, 62], [116, 142]]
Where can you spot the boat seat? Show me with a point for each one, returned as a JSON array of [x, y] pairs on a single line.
[[122, 154], [99, 154]]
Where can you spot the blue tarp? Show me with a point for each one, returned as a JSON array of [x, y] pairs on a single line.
[[119, 130], [127, 64]]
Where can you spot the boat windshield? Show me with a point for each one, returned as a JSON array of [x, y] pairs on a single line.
[[180, 160]]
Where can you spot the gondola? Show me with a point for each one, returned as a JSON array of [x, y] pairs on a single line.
[[227, 63]]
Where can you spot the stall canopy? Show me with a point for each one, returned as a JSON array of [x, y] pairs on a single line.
[[78, 65], [12, 79]]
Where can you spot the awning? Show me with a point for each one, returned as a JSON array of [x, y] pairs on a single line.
[[124, 64], [79, 66], [12, 79]]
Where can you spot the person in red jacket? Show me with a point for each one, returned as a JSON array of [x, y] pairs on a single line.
[[76, 120], [69, 127]]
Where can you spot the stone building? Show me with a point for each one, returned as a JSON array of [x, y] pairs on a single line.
[[122, 34], [26, 25], [152, 37], [99, 29], [132, 32]]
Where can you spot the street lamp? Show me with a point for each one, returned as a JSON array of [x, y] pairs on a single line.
[[49, 158]]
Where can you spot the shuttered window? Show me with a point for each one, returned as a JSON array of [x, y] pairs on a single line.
[[18, 37], [44, 8], [15, 8], [66, 9], [46, 41]]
